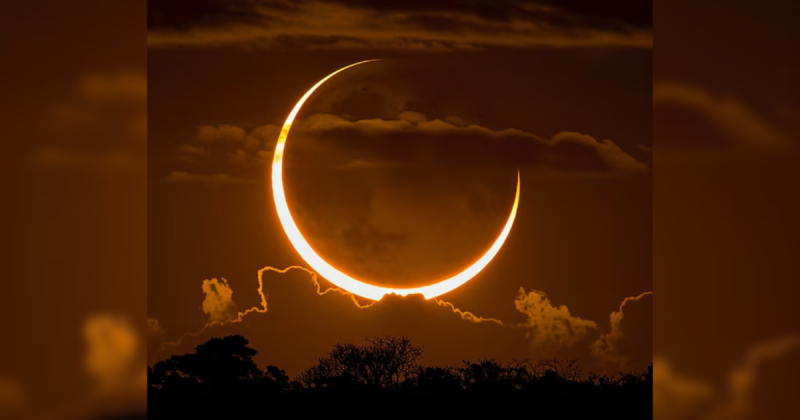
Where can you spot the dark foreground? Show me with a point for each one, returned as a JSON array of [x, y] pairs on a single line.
[[384, 379]]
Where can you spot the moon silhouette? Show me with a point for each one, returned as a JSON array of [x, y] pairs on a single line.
[[339, 278]]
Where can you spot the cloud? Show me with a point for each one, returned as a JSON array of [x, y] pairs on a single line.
[[413, 117], [221, 133], [742, 379], [245, 153], [219, 307], [266, 135], [679, 397], [239, 157], [192, 150], [314, 281], [116, 100], [99, 127], [112, 354], [468, 316], [609, 347], [221, 310], [606, 150], [326, 122], [240, 152], [214, 180], [259, 138], [191, 153], [218, 303], [676, 397], [550, 328], [154, 327], [456, 120], [565, 151], [742, 127], [155, 335], [340, 25]]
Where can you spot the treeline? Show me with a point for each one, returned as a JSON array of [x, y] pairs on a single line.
[[385, 377]]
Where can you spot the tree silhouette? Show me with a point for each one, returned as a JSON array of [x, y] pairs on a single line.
[[217, 363], [219, 379], [384, 362], [487, 374], [433, 380]]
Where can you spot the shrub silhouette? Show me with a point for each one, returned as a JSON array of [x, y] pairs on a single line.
[[221, 380]]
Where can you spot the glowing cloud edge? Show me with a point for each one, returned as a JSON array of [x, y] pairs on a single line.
[[335, 276]]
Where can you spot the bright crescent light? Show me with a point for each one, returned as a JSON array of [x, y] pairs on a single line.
[[335, 276]]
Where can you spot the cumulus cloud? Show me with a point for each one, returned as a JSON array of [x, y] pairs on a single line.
[[218, 303], [610, 348], [677, 397], [742, 379], [443, 27], [260, 138], [221, 133], [154, 327], [550, 328], [188, 152], [219, 307], [230, 146], [221, 310], [113, 354]]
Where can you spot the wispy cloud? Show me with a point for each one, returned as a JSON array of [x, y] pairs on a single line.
[[345, 25]]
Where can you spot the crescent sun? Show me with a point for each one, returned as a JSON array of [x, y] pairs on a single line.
[[339, 278]]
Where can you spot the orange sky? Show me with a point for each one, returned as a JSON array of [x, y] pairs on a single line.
[[402, 171]]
